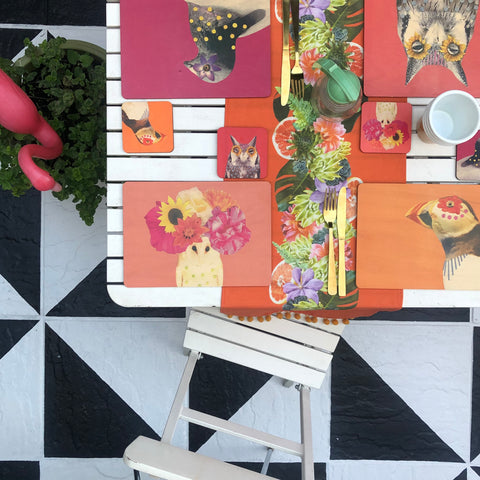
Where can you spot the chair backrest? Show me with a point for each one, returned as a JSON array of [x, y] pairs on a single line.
[[288, 348]]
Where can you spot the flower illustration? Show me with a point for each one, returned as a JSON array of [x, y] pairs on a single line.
[[451, 204], [303, 284], [171, 211], [372, 129], [316, 8], [354, 54], [188, 231], [318, 196], [416, 47], [292, 229], [220, 199], [197, 202], [452, 49], [228, 231], [159, 238], [398, 130], [207, 67], [307, 59], [331, 132]]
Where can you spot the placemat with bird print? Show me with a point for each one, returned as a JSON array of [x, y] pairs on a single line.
[[201, 49], [196, 234], [418, 236], [421, 48]]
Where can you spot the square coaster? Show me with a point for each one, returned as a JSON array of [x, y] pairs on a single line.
[[467, 166], [242, 152], [147, 127], [386, 127]]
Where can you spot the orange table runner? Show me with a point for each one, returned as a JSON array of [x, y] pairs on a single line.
[[267, 113]]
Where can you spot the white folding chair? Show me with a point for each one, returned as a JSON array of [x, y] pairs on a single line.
[[292, 349]]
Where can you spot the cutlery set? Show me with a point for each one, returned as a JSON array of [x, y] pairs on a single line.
[[291, 80], [335, 211]]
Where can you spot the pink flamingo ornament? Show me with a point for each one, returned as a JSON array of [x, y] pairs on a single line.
[[19, 114]]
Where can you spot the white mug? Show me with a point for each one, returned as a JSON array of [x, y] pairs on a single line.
[[450, 119]]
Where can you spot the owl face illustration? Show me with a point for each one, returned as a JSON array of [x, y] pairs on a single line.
[[436, 32]]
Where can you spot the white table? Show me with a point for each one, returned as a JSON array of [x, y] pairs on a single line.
[[194, 159]]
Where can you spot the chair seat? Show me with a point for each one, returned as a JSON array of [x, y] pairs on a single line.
[[163, 460]]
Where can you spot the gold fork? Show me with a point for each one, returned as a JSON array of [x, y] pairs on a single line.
[[330, 216], [297, 85]]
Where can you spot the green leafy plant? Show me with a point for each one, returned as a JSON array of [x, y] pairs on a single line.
[[67, 85]]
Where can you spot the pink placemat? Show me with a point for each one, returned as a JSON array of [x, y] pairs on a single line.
[[180, 49]]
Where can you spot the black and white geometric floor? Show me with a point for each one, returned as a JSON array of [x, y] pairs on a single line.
[[81, 377]]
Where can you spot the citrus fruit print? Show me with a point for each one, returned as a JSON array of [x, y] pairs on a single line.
[[281, 275], [355, 57], [278, 10], [352, 184], [282, 137]]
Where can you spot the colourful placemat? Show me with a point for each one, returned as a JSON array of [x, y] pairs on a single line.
[[147, 127], [418, 236], [196, 234], [421, 48], [467, 166], [180, 49]]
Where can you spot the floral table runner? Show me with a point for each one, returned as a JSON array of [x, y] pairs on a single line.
[[306, 156]]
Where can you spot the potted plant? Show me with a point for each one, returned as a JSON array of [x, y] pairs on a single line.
[[66, 81]]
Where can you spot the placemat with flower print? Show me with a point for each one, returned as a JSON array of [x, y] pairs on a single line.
[[307, 154]]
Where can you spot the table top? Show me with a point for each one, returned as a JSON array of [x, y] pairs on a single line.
[[193, 158]]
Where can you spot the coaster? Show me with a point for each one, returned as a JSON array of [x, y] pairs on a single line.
[[386, 127], [242, 152], [147, 127], [467, 166]]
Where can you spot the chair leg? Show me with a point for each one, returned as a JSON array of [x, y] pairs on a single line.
[[306, 429], [266, 463], [177, 406], [136, 475]]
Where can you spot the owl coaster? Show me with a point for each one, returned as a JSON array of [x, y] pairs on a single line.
[[242, 152], [386, 127], [467, 167], [147, 127]]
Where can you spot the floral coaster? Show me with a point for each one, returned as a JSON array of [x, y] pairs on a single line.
[[242, 152], [147, 127], [468, 159], [386, 127]]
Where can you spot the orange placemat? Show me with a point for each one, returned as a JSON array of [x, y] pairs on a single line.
[[418, 236], [366, 167], [196, 234]]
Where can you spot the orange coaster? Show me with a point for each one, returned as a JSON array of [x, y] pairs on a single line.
[[386, 127], [147, 127]]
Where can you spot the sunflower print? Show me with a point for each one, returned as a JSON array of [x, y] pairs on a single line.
[[173, 210]]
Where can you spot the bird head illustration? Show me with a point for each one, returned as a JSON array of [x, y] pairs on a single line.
[[448, 217]]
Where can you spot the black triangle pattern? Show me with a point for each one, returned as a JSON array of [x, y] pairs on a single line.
[[220, 388], [90, 298], [11, 40], [462, 476], [423, 315], [20, 243], [476, 470], [20, 470], [369, 421], [475, 429], [84, 417], [66, 12], [285, 471], [11, 331]]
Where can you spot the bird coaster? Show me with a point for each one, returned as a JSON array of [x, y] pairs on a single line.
[[242, 152], [467, 166], [147, 127], [418, 236], [386, 127]]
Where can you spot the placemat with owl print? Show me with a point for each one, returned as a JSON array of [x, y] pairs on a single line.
[[201, 49], [418, 236], [196, 234], [242, 152], [421, 48]]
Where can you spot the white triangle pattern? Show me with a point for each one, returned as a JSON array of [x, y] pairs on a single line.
[[85, 468], [142, 361], [21, 391], [429, 367], [12, 303]]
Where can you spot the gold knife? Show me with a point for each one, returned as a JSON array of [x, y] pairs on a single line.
[[341, 227], [285, 79]]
